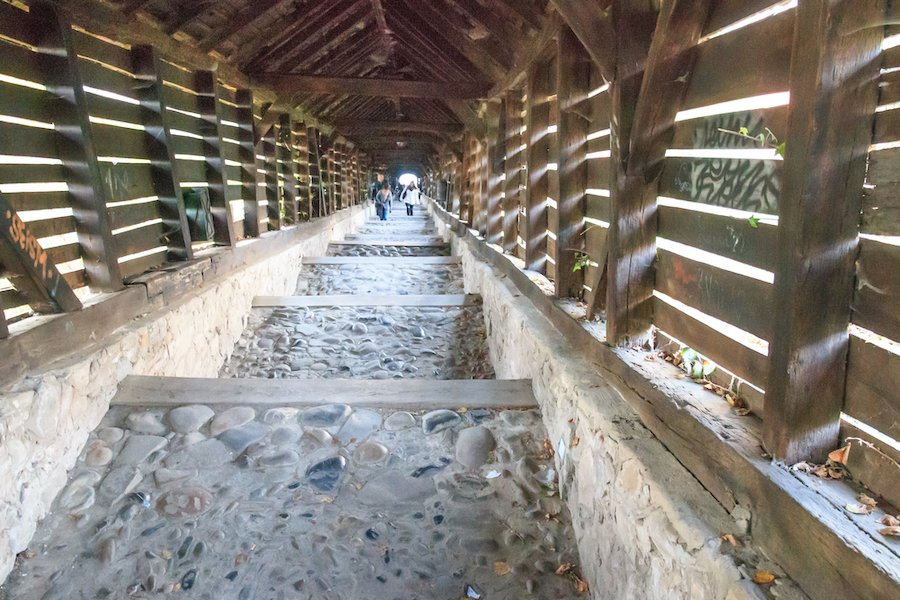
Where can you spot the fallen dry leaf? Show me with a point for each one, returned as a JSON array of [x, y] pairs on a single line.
[[858, 509], [803, 467], [893, 531], [575, 441], [581, 585], [840, 455], [564, 568], [681, 376], [501, 567], [742, 412], [731, 539], [889, 520], [649, 358], [868, 501], [763, 578], [462, 409]]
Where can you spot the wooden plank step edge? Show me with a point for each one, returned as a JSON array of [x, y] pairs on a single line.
[[412, 261], [138, 390], [366, 300]]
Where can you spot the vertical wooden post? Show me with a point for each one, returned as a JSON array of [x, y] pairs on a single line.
[[4, 327], [834, 76], [573, 85], [247, 158], [216, 174], [496, 173], [337, 158], [286, 168], [75, 145], [166, 183], [465, 196], [513, 164], [272, 220], [537, 120]]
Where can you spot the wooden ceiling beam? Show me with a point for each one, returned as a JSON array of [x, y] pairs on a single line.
[[243, 19], [365, 126], [526, 13], [290, 83], [427, 18], [592, 25], [324, 42]]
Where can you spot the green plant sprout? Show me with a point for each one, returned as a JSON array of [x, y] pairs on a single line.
[[695, 365]]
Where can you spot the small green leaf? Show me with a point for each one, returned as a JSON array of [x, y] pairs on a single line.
[[780, 149], [744, 131], [754, 222], [688, 354]]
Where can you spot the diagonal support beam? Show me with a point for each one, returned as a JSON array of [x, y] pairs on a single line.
[[592, 25]]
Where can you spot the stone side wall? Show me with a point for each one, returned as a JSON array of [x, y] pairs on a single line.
[[45, 419], [645, 527]]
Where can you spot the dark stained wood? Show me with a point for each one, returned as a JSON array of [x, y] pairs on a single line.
[[290, 83], [216, 172], [29, 267], [245, 18], [75, 147], [872, 463], [287, 168], [735, 299], [251, 177], [877, 293], [631, 240], [592, 25], [726, 236], [365, 127], [834, 76], [881, 206], [4, 327], [873, 381], [512, 104], [166, 184], [573, 82], [537, 120]]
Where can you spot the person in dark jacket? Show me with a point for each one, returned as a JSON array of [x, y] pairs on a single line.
[[383, 201]]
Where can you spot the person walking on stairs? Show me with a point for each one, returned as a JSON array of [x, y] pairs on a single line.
[[411, 197], [383, 201]]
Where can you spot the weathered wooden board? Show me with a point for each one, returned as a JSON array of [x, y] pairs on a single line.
[[732, 238], [726, 12], [877, 298], [872, 463], [873, 386], [737, 358], [404, 394], [736, 299], [364, 300], [23, 102], [756, 58], [881, 205], [126, 181], [707, 132], [742, 184]]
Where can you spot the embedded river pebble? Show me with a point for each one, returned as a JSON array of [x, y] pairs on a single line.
[[318, 501]]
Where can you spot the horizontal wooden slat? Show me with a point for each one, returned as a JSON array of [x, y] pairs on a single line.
[[101, 106], [181, 100], [48, 227], [598, 173], [27, 141], [21, 63], [93, 47], [142, 265], [31, 173], [16, 24], [124, 181], [190, 170], [171, 73], [123, 216], [747, 364], [705, 132], [62, 254], [141, 239], [887, 126], [101, 77], [873, 387], [881, 205], [229, 113], [188, 145], [751, 61], [76, 279], [741, 301], [750, 185], [12, 299], [24, 102], [40, 200], [119, 141], [726, 236], [875, 306], [873, 463], [185, 122]]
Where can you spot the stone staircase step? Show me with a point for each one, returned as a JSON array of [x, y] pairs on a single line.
[[396, 394], [371, 300], [382, 242], [411, 261]]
